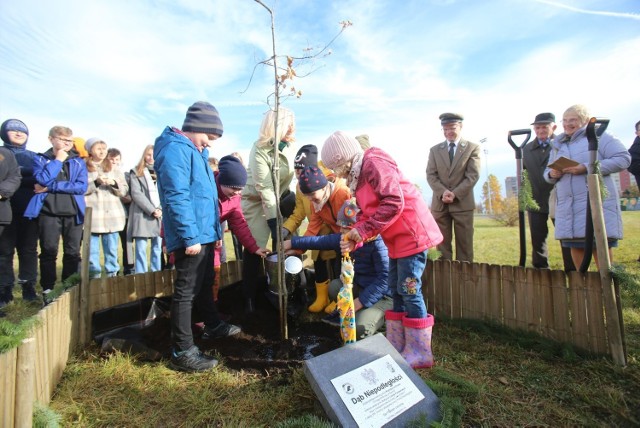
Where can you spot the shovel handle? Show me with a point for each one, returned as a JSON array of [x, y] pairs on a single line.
[[595, 132], [518, 148]]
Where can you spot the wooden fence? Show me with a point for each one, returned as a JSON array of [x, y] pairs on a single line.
[[31, 371], [566, 308], [563, 307]]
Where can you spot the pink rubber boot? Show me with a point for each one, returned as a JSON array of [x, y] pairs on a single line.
[[417, 334], [395, 331]]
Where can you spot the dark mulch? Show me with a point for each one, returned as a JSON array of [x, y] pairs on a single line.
[[260, 348]]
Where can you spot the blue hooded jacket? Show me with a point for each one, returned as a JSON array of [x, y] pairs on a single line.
[[370, 264], [188, 192], [46, 169], [23, 195]]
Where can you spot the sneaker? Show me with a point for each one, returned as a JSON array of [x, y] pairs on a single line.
[[332, 319], [47, 297], [222, 330], [29, 292], [191, 360]]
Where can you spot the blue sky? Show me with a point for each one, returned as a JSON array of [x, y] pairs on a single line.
[[122, 70]]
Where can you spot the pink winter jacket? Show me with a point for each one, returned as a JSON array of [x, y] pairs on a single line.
[[393, 207], [231, 211]]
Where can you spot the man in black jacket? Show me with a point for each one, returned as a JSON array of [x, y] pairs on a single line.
[[535, 156]]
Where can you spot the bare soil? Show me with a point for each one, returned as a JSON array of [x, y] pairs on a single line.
[[260, 348]]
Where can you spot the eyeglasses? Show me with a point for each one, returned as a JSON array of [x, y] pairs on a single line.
[[572, 120], [65, 140]]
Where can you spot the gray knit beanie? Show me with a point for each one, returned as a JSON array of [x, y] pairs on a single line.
[[202, 117]]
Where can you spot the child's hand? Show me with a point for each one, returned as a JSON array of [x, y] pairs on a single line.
[[293, 252], [262, 252], [347, 246], [62, 155], [353, 235]]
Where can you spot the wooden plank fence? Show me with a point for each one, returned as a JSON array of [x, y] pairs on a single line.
[[30, 372], [566, 308], [562, 307]]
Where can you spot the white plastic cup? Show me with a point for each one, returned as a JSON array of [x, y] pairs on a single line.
[[292, 265]]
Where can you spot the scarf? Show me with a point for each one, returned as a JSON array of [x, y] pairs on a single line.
[[153, 189], [354, 173], [325, 198]]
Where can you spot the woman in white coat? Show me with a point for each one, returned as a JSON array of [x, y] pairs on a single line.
[[571, 182]]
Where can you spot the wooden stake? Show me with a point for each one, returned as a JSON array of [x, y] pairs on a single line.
[[84, 314], [614, 325], [25, 381]]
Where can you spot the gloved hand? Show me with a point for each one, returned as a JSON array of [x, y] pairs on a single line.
[[285, 234], [273, 226]]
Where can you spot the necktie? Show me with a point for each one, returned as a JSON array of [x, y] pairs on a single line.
[[452, 150]]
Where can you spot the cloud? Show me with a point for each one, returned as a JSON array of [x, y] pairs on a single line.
[[626, 15]]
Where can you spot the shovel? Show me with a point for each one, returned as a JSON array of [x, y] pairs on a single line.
[[595, 128], [518, 149]]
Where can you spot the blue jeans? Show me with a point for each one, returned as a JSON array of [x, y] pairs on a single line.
[[405, 282], [141, 254], [110, 250], [194, 279]]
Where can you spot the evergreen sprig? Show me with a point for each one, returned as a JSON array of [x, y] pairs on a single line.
[[525, 197]]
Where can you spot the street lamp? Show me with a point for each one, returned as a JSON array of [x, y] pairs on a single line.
[[486, 155]]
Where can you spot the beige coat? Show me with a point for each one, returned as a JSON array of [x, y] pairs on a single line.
[[460, 177]]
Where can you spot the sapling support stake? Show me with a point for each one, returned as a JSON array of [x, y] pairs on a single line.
[[598, 236]]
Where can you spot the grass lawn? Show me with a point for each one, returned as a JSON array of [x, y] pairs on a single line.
[[485, 375]]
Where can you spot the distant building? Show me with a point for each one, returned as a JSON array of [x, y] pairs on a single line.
[[623, 180], [511, 186]]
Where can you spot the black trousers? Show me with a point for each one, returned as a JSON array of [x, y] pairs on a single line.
[[250, 268], [192, 288], [51, 228], [21, 236], [539, 234]]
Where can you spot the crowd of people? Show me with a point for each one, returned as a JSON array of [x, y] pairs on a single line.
[[355, 199]]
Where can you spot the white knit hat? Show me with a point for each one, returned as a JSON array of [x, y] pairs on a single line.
[[339, 149], [90, 142]]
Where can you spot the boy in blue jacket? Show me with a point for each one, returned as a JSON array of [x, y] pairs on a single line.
[[372, 296], [191, 221], [58, 204]]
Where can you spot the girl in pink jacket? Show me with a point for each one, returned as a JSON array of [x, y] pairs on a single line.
[[392, 206]]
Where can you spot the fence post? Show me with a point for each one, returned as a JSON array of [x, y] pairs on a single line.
[[25, 383], [83, 307]]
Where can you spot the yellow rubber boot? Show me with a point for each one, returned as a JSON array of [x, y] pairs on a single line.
[[322, 297], [331, 307]]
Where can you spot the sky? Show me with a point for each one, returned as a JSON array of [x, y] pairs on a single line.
[[122, 70]]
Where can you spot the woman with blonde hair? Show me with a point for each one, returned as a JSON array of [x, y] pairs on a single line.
[[259, 195], [106, 185], [571, 182], [145, 213]]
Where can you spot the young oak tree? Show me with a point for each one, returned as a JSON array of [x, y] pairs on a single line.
[[283, 87]]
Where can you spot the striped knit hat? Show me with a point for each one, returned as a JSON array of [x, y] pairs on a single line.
[[202, 117]]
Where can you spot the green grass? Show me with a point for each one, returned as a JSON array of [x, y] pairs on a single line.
[[485, 375]]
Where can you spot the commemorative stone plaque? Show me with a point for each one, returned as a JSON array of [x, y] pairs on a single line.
[[369, 384]]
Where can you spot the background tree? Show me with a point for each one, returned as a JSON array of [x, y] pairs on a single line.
[[508, 215], [492, 195], [631, 192]]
